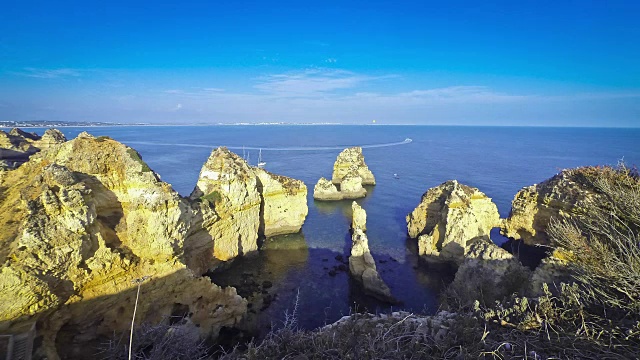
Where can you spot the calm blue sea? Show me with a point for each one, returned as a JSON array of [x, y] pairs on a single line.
[[497, 160]]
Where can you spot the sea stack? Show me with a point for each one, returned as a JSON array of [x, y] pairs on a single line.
[[362, 266], [326, 190], [284, 203], [348, 160], [448, 216]]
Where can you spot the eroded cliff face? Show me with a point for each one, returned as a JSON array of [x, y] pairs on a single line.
[[448, 216], [284, 203], [227, 210], [80, 222], [348, 160], [533, 207]]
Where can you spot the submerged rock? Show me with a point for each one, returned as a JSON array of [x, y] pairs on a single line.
[[326, 190], [362, 266], [284, 203], [81, 224], [348, 160], [448, 216], [533, 207]]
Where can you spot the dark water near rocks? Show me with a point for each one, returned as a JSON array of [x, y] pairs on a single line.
[[497, 160]]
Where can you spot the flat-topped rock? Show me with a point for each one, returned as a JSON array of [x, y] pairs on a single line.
[[448, 216], [348, 160], [284, 199]]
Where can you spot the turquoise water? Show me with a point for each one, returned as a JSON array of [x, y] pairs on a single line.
[[497, 160]]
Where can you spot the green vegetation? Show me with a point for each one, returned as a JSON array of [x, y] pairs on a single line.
[[135, 156], [212, 197], [103, 138]]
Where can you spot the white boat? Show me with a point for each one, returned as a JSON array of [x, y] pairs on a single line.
[[261, 164]]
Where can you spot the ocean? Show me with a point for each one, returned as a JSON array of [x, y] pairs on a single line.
[[300, 272]]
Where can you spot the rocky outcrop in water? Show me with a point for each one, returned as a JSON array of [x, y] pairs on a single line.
[[348, 161], [80, 223], [351, 186], [326, 190], [362, 266], [234, 204], [227, 214], [448, 216], [359, 217], [534, 206], [284, 203]]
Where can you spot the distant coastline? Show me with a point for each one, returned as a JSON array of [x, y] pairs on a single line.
[[43, 124]]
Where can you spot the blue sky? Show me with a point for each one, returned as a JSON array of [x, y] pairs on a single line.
[[540, 63]]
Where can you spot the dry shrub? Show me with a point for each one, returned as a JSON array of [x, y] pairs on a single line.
[[160, 341], [604, 242]]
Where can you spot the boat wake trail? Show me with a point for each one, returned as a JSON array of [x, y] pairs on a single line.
[[288, 148]]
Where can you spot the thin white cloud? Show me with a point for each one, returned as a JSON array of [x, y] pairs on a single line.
[[331, 60], [311, 82], [177, 107], [49, 73]]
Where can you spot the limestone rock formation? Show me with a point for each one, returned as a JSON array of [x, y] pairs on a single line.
[[79, 224], [284, 203], [448, 216], [488, 271], [552, 271], [17, 146], [50, 138], [228, 214], [362, 266], [24, 134], [534, 206], [348, 160], [325, 190], [234, 204], [15, 149], [351, 187], [359, 218]]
